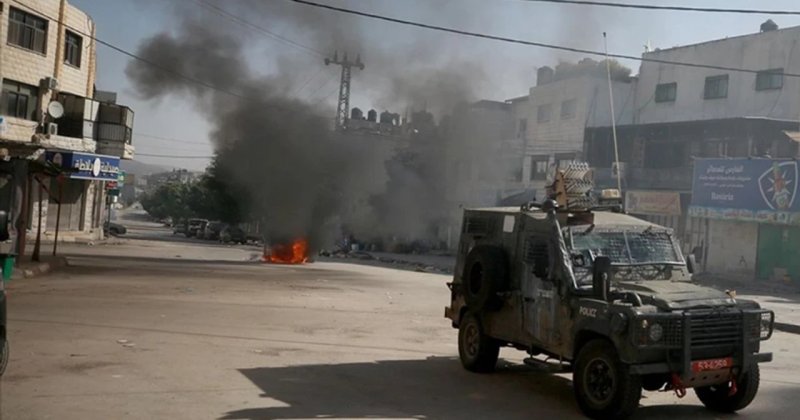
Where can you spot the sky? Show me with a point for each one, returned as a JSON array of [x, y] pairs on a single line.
[[509, 69]]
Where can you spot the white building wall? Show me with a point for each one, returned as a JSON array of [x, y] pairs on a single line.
[[593, 109], [30, 67], [80, 80], [759, 51], [732, 247]]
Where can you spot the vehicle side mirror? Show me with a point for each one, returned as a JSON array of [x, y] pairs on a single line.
[[601, 285], [691, 263]]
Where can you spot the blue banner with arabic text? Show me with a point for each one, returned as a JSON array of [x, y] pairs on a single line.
[[761, 190]]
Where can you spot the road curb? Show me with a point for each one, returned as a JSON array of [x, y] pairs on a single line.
[[787, 328], [38, 269]]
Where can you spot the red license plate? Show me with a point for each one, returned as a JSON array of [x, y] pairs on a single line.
[[712, 364]]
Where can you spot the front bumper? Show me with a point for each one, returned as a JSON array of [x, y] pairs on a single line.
[[664, 367], [700, 336]]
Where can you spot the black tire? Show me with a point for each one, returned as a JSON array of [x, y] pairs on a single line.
[[477, 351], [715, 397], [4, 356], [603, 385], [485, 274]]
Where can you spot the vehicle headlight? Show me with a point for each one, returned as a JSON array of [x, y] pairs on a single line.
[[767, 320], [656, 332]]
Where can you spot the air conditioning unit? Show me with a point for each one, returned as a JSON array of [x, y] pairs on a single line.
[[52, 129], [50, 83]]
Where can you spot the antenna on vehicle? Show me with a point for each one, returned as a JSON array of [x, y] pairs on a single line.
[[613, 117]]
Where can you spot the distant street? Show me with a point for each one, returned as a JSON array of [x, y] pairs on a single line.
[[156, 326]]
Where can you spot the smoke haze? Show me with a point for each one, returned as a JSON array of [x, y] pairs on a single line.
[[304, 179]]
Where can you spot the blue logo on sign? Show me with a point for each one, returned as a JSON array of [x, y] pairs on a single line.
[[778, 185]]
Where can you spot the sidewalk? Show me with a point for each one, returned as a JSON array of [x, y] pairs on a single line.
[[778, 296], [27, 268]]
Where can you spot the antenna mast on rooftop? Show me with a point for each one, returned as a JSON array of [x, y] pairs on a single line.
[[343, 108]]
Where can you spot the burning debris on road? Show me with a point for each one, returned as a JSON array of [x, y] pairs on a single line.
[[295, 252]]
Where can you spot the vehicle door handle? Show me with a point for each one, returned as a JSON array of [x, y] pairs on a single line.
[[529, 299]]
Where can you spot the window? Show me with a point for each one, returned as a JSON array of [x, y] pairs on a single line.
[[769, 79], [72, 49], [716, 87], [666, 92], [27, 31], [539, 169], [543, 113], [19, 100], [523, 128], [569, 109]]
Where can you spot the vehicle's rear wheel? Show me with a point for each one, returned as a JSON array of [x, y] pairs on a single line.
[[4, 355], [485, 274], [718, 398], [478, 352], [603, 385]]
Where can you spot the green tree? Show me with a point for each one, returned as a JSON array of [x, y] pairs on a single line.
[[168, 200]]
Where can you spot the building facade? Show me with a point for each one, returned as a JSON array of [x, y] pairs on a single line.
[[685, 114], [60, 146], [561, 109]]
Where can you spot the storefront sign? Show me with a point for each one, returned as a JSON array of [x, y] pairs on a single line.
[[760, 190], [665, 203], [86, 165]]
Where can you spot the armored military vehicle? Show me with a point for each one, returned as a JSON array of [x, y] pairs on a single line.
[[605, 295]]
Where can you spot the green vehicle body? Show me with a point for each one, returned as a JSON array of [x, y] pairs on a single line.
[[546, 297]]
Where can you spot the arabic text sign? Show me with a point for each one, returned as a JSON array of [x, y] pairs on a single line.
[[86, 165], [746, 189]]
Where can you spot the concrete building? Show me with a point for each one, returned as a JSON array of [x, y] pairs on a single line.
[[562, 105], [686, 113], [56, 140]]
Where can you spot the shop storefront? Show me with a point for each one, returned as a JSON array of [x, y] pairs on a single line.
[[753, 214], [73, 201]]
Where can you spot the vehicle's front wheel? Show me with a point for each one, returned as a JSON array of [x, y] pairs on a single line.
[[603, 385], [719, 398], [478, 352]]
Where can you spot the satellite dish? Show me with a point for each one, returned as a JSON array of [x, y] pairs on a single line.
[[55, 109]]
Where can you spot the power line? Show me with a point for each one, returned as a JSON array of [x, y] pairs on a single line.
[[151, 136], [309, 80], [174, 156], [672, 8], [153, 64], [524, 42], [130, 54], [238, 19]]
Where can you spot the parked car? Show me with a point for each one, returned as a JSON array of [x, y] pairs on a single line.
[[196, 227], [212, 231], [180, 228], [233, 234], [115, 229]]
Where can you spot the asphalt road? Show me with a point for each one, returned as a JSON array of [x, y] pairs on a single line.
[[161, 328]]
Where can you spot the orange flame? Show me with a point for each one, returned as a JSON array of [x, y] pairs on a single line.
[[294, 253]]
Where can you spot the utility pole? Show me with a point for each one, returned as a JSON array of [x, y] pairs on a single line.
[[343, 108]]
